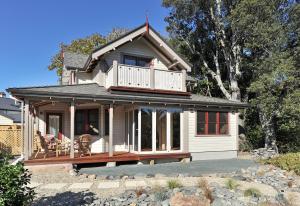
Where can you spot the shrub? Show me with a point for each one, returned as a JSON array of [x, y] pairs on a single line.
[[179, 200], [231, 184], [203, 184], [139, 191], [13, 181], [253, 192], [289, 162], [174, 184]]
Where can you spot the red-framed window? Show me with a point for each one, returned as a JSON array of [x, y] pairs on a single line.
[[212, 123], [86, 121]]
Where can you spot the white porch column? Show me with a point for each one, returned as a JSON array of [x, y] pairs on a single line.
[[168, 131], [182, 130], [139, 130], [154, 130], [101, 128], [26, 131], [115, 73], [111, 130], [72, 127]]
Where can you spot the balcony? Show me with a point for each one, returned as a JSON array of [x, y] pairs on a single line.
[[145, 77]]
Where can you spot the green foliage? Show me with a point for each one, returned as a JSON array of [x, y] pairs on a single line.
[[174, 184], [13, 181], [231, 184], [83, 46], [271, 40], [252, 192], [289, 162]]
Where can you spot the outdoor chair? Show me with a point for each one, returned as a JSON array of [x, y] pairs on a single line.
[[84, 145], [62, 146], [41, 145]]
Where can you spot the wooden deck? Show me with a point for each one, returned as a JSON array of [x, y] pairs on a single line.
[[103, 158]]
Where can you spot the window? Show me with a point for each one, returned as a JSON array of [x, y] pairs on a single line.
[[137, 61], [86, 122], [212, 123]]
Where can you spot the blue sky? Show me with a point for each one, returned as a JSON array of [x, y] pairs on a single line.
[[31, 30]]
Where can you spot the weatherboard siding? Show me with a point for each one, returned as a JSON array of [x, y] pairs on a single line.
[[212, 143]]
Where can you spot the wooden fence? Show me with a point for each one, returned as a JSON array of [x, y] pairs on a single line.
[[11, 141]]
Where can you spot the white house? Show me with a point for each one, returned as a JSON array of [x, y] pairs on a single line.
[[131, 96]]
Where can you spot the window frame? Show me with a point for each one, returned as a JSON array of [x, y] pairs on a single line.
[[206, 123], [86, 121], [137, 59]]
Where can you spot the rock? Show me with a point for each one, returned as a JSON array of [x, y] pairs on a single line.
[[239, 177], [110, 177], [218, 202], [159, 175], [92, 177], [72, 172], [88, 199], [183, 175]]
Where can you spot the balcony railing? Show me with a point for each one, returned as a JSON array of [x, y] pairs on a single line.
[[144, 77]]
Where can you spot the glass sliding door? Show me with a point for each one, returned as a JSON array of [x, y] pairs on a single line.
[[146, 129], [175, 129], [161, 129]]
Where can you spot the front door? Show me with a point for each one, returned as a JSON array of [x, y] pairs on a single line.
[[54, 124]]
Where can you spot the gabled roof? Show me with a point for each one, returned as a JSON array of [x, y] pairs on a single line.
[[75, 60], [95, 92], [154, 39], [9, 104]]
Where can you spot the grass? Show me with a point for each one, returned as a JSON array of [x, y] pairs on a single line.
[[252, 192], [174, 184], [289, 162], [231, 184]]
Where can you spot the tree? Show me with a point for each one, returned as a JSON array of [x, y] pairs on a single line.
[[83, 46], [271, 39], [204, 34], [248, 49]]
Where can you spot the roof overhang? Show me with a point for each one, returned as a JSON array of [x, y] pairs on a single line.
[[149, 35]]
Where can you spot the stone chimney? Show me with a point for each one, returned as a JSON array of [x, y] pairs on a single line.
[[2, 94]]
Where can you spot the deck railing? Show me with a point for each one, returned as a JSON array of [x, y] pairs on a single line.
[[144, 77]]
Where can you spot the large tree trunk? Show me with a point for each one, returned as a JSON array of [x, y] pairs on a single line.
[[267, 123]]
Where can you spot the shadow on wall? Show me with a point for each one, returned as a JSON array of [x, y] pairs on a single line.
[[66, 198]]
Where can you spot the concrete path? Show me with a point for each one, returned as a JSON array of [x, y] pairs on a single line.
[[194, 168], [126, 184]]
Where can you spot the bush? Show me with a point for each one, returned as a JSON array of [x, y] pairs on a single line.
[[174, 184], [253, 192], [231, 184], [13, 181], [289, 162], [203, 184]]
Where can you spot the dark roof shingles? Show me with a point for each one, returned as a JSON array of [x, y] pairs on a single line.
[[75, 60], [93, 90]]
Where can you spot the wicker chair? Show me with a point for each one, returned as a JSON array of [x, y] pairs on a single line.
[[41, 145], [84, 145]]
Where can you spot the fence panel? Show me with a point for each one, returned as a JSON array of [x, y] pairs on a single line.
[[11, 141]]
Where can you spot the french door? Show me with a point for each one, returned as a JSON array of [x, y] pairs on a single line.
[[150, 129]]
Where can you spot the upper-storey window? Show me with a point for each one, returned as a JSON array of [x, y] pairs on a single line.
[[137, 61]]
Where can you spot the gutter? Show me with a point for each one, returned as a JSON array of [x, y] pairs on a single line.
[[120, 98]]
